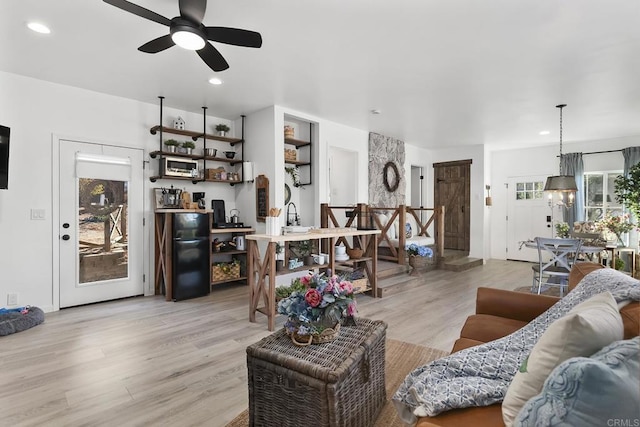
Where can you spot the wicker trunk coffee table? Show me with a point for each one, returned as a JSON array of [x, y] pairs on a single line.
[[339, 383]]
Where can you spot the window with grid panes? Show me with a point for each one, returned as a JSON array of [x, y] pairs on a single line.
[[529, 190], [600, 198]]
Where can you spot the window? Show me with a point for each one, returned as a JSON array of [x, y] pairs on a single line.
[[529, 190], [600, 197]]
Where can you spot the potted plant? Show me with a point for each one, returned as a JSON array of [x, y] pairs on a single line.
[[188, 146], [222, 129], [305, 247], [627, 189], [418, 256], [171, 145]]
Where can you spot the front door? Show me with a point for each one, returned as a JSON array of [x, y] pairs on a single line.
[[452, 189], [528, 216], [101, 223]]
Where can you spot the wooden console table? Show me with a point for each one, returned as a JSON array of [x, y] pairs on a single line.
[[261, 270]]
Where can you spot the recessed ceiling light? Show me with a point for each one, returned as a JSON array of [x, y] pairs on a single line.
[[376, 112], [38, 27], [545, 132], [215, 81]]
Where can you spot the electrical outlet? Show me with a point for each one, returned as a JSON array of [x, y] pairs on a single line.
[[12, 299]]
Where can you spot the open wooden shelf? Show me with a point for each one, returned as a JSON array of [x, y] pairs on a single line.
[[237, 279], [296, 163], [195, 135], [297, 142]]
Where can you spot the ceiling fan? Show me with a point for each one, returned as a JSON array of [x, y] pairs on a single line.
[[187, 31]]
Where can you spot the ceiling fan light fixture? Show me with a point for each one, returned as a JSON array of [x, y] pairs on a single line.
[[187, 38]]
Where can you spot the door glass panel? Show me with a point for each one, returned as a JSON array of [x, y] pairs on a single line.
[[102, 230]]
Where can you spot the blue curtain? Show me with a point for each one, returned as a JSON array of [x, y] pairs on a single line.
[[572, 165], [631, 158]]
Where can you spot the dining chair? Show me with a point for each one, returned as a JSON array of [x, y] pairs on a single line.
[[555, 258]]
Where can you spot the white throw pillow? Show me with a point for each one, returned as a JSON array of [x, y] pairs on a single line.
[[587, 328]]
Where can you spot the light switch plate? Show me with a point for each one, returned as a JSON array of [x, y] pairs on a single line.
[[37, 214]]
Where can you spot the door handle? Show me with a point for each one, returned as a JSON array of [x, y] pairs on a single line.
[[65, 237]]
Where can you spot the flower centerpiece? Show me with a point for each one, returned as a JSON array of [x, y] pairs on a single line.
[[617, 225], [316, 306], [418, 256], [562, 230]]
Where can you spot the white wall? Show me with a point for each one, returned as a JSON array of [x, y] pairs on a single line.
[[543, 161], [38, 111], [418, 157]]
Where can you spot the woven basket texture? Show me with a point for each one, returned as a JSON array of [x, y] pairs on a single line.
[[217, 273], [339, 383]]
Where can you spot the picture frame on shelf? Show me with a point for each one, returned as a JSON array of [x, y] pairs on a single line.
[[157, 195]]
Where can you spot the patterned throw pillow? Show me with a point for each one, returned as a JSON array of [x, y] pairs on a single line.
[[588, 327], [408, 230], [598, 391]]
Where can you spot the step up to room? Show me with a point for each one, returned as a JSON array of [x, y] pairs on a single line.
[[461, 264]]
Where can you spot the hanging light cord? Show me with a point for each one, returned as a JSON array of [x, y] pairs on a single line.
[[561, 106]]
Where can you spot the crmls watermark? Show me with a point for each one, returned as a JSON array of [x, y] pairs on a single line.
[[623, 422]]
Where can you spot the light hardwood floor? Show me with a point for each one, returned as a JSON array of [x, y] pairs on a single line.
[[145, 361]]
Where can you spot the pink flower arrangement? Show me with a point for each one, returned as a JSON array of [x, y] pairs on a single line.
[[317, 302]]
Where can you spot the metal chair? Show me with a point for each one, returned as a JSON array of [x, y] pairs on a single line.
[[555, 258]]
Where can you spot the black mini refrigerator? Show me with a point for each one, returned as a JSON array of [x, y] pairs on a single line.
[[190, 270]]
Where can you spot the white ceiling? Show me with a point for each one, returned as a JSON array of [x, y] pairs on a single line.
[[443, 72]]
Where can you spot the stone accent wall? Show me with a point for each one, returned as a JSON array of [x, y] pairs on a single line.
[[383, 149]]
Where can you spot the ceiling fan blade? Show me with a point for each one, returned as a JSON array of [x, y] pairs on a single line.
[[193, 9], [234, 36], [213, 58], [139, 10], [157, 45]]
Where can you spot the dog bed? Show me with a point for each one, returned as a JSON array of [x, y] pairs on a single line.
[[14, 320]]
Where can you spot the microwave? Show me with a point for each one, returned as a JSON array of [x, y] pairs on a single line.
[[176, 166]]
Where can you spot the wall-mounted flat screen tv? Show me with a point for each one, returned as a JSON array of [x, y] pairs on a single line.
[[4, 157]]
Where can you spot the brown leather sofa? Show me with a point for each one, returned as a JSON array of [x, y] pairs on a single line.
[[499, 313]]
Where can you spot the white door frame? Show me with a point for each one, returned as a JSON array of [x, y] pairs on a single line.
[[55, 215]]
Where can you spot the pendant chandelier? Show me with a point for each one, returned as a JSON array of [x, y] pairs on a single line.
[[562, 183]]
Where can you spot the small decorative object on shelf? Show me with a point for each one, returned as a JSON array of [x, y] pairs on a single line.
[[316, 307], [188, 146], [562, 230], [418, 256], [289, 132], [222, 129], [290, 155], [171, 145], [616, 226], [178, 124]]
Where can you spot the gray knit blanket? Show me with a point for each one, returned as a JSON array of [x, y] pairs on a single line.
[[480, 376]]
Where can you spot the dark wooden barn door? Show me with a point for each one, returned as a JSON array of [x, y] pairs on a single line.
[[452, 190]]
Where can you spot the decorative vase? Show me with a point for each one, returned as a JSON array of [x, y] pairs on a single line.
[[170, 148], [417, 262], [222, 133]]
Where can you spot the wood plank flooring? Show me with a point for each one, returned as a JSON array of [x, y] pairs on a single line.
[[147, 362]]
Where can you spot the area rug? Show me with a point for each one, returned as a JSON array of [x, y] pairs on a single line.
[[552, 291], [400, 359]]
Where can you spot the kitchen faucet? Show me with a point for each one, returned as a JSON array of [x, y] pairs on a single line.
[[296, 218]]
